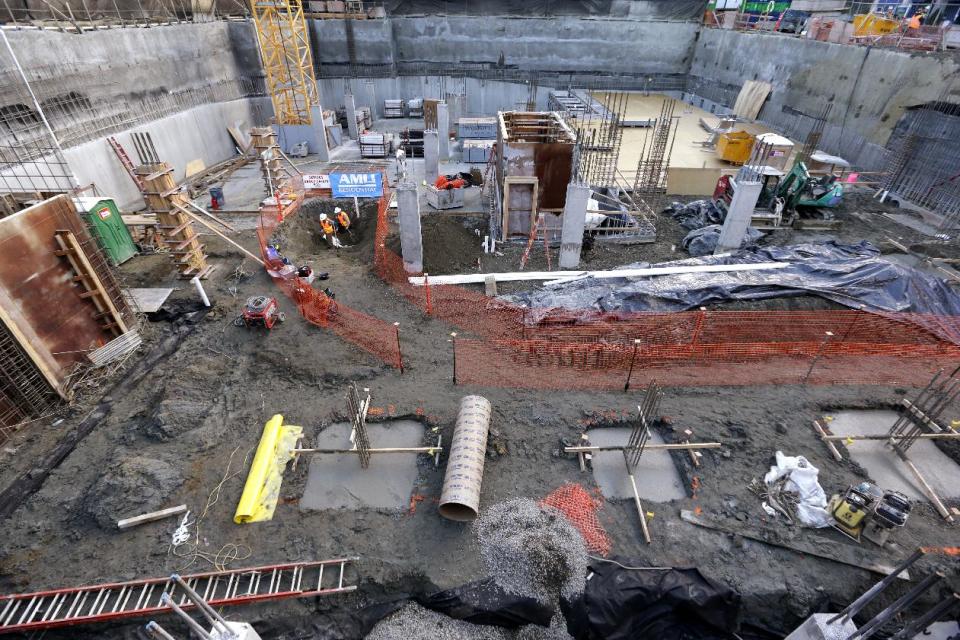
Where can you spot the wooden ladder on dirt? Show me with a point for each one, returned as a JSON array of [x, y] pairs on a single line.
[[87, 278]]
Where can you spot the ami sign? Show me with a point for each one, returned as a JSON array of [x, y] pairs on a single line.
[[356, 185]]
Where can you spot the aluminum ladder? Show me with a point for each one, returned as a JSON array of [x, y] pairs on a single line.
[[99, 603], [125, 161]]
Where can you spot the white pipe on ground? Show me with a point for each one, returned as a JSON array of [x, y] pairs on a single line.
[[203, 294], [460, 498]]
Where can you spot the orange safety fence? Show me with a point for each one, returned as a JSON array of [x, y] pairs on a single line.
[[580, 508], [540, 364], [371, 334]]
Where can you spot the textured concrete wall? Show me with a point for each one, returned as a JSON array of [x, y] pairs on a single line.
[[869, 88], [544, 44], [199, 133], [125, 66]]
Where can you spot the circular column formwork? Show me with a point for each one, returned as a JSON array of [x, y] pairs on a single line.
[[460, 498]]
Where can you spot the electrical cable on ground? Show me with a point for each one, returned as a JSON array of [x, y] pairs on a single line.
[[229, 552]]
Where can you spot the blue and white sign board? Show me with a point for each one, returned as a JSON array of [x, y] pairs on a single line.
[[356, 185]]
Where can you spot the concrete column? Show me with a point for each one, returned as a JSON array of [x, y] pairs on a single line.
[[319, 146], [408, 215], [738, 216], [574, 219], [431, 156], [443, 129], [350, 105]]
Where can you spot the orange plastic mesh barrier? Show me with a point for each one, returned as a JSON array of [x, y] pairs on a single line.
[[539, 364], [365, 331], [580, 508]]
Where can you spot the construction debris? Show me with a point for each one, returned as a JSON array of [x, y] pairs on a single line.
[[153, 516]]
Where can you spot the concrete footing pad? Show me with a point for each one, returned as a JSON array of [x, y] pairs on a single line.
[[886, 469], [336, 481], [657, 477]]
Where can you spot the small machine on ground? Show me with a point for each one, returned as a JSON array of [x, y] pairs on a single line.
[[795, 199], [866, 509], [260, 311]]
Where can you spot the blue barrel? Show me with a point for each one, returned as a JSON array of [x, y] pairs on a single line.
[[216, 198]]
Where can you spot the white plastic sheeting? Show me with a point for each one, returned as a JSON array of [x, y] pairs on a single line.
[[803, 478]]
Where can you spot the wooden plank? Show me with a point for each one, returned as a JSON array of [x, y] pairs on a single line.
[[823, 436], [650, 447], [153, 516], [841, 553], [83, 267], [927, 489], [515, 276], [211, 227]]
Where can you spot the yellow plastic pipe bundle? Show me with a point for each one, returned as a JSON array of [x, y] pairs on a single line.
[[262, 490]]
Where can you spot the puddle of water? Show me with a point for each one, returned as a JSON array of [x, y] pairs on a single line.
[[656, 475], [886, 469], [336, 481]]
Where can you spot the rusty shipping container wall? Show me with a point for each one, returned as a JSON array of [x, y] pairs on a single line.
[[39, 295]]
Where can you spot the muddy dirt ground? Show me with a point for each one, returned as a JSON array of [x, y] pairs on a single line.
[[194, 420]]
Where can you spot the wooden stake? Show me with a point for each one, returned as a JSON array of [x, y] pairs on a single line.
[[640, 512], [830, 445], [931, 494], [650, 447]]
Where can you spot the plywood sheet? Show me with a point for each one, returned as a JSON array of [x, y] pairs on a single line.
[[750, 100], [691, 181]]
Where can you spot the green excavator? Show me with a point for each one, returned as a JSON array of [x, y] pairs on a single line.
[[795, 199]]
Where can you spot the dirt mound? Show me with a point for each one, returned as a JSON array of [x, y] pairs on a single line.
[[300, 235], [131, 487]]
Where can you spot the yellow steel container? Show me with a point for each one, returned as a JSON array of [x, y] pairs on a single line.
[[735, 146]]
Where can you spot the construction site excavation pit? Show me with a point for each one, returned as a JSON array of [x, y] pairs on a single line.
[[657, 476], [883, 464], [337, 481]]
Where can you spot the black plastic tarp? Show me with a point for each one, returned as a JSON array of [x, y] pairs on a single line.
[[680, 604], [854, 275]]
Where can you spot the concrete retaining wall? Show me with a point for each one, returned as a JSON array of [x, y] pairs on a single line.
[[198, 133], [869, 88], [541, 44]]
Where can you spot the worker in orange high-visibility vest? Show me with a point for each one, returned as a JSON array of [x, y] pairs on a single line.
[[329, 232], [343, 221]]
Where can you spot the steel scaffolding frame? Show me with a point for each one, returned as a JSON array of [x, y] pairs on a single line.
[[287, 61]]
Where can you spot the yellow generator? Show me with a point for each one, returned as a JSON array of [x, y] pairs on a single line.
[[735, 146], [851, 510]]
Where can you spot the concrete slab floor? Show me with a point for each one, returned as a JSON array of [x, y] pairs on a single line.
[[885, 467], [657, 477], [336, 481]]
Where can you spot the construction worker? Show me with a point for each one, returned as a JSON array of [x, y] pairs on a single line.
[[916, 21], [343, 220], [329, 233]]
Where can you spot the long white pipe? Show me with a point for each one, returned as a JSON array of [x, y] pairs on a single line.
[[560, 276]]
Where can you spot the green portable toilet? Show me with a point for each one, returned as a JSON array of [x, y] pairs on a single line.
[[104, 220]]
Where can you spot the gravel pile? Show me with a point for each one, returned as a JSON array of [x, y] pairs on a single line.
[[413, 622], [531, 550]]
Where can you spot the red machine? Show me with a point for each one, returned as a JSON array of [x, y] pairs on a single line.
[[260, 311]]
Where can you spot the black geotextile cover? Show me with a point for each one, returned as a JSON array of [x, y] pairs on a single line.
[[854, 275], [680, 604]]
